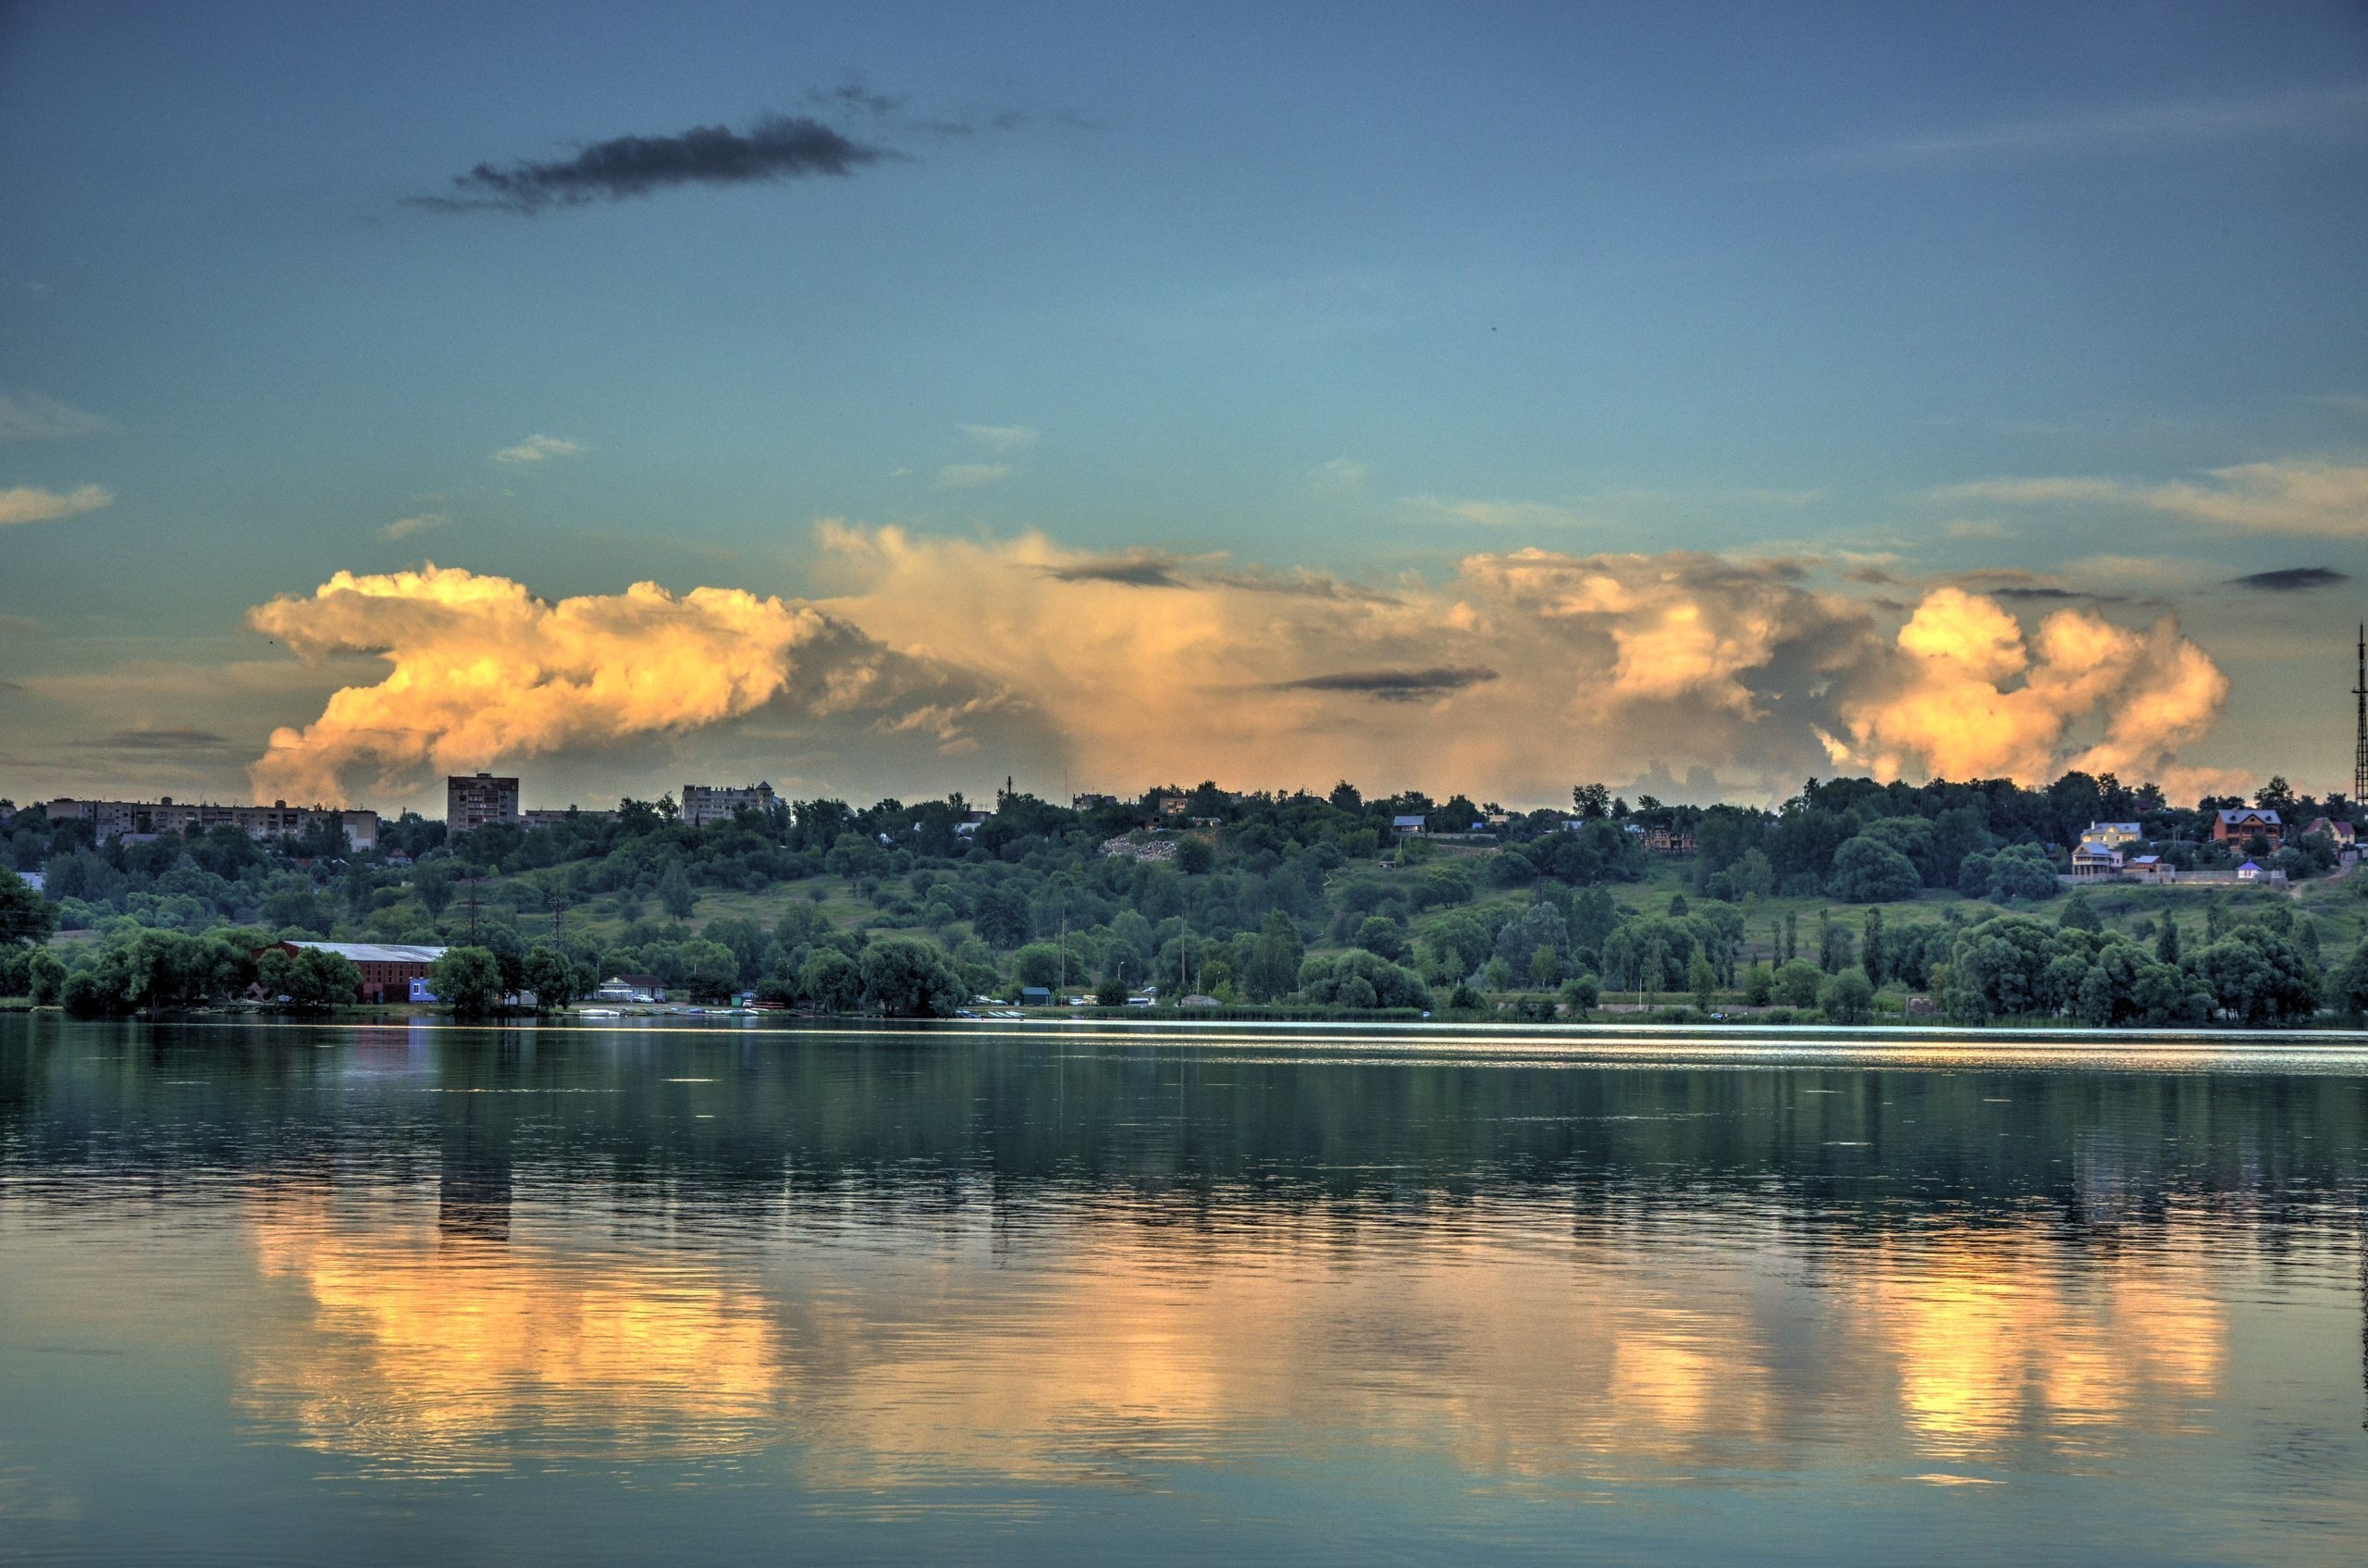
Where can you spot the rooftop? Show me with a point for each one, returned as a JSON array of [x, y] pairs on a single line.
[[376, 952]]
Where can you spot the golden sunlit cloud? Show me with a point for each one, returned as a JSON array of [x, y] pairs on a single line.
[[1527, 668], [483, 670], [1978, 700]]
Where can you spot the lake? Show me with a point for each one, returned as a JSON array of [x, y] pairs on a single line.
[[1081, 1293]]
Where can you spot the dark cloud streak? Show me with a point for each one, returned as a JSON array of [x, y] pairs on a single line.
[[1132, 571], [776, 148], [2291, 579], [1397, 685]]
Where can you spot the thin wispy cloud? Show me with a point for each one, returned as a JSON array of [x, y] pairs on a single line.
[[2329, 113], [178, 738], [776, 149], [970, 476], [2303, 497], [1002, 438], [29, 416], [413, 526], [1503, 513], [1337, 476], [30, 504], [539, 449]]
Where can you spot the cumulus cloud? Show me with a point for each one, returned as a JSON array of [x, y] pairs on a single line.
[[1973, 697], [29, 416], [2305, 497], [480, 669], [777, 148], [1528, 668], [30, 504], [539, 449], [1525, 670]]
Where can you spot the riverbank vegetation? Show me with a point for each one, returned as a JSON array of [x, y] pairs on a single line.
[[1853, 901]]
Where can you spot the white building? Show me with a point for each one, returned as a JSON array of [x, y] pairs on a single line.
[[706, 803]]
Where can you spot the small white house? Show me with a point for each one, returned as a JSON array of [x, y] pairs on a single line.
[[2249, 873], [2114, 833], [1406, 827]]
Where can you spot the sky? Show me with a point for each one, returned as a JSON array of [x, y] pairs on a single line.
[[891, 400]]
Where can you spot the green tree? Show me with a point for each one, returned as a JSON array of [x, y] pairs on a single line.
[[551, 977], [1871, 956], [1274, 966], [711, 970], [1758, 986], [468, 981], [25, 916], [2079, 914], [1797, 984], [904, 977], [1039, 963], [1581, 995], [1194, 857], [433, 884], [45, 979], [1867, 870], [1846, 997], [674, 891], [1703, 980], [2166, 941], [2348, 987], [318, 981], [1381, 934], [2258, 977], [1546, 964], [830, 980], [1357, 978]]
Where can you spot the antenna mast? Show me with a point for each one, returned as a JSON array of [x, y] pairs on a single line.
[[2360, 741]]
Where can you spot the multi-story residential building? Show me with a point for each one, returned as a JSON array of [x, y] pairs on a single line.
[[705, 804], [114, 819], [473, 801], [2244, 823]]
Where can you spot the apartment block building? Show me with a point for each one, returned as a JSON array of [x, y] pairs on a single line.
[[115, 818], [473, 801], [703, 803]]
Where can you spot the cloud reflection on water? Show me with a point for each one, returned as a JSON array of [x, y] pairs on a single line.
[[1100, 1348]]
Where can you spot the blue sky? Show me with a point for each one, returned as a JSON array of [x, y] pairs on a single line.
[[1366, 291]]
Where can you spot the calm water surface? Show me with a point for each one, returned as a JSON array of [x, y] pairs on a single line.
[[366, 1295]]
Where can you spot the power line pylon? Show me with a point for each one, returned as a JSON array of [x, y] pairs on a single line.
[[2360, 732]]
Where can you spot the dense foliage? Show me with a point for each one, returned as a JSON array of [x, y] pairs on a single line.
[[1252, 901]]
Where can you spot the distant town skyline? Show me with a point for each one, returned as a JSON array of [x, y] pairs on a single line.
[[888, 402]]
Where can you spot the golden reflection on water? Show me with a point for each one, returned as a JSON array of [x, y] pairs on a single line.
[[452, 1352], [1514, 1350], [1995, 1337]]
